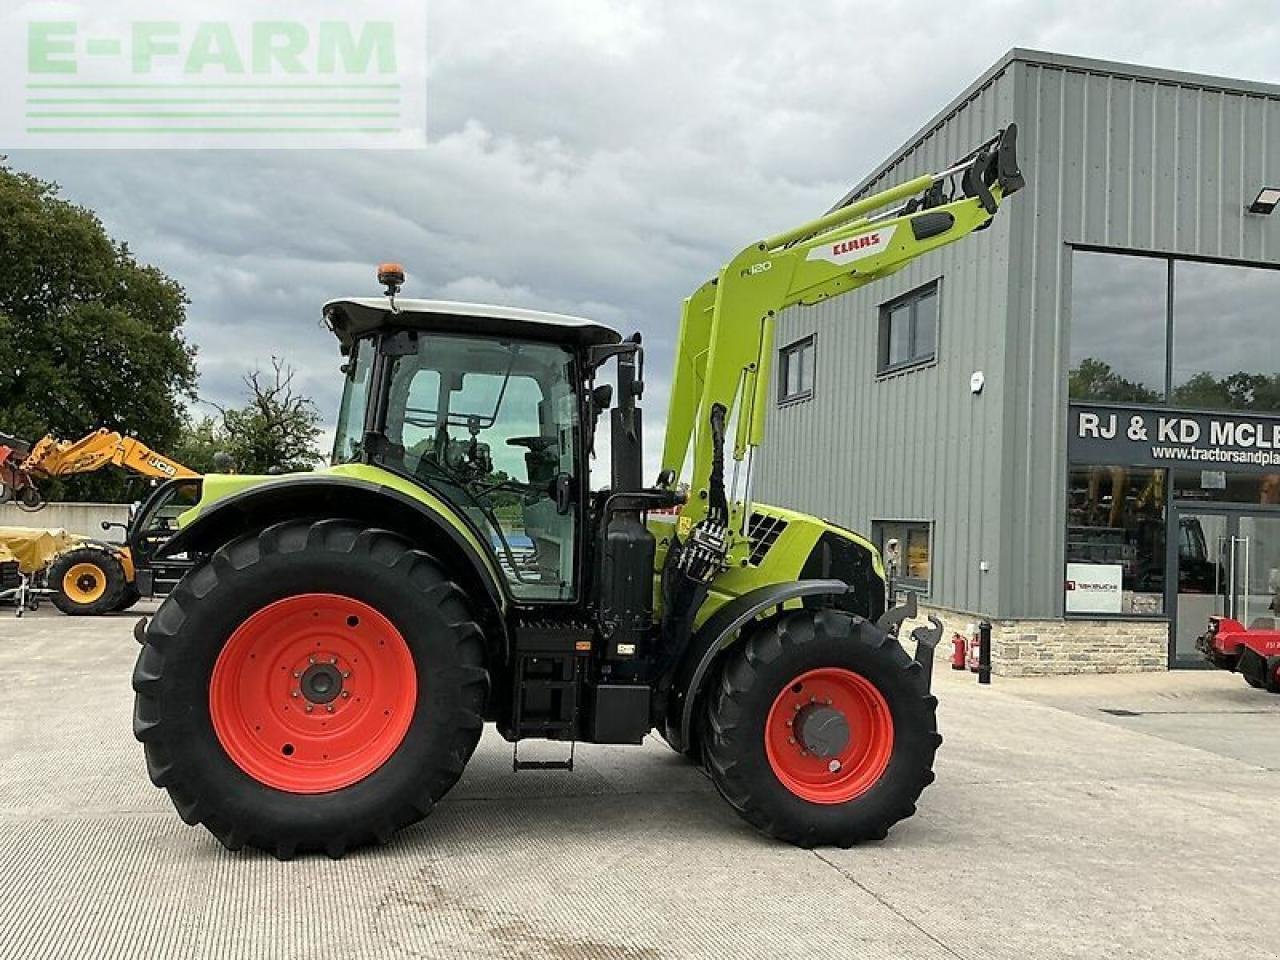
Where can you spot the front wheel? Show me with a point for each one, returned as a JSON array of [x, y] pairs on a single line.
[[313, 687], [821, 730]]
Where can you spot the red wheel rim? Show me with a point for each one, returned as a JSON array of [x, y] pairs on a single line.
[[338, 657], [847, 771]]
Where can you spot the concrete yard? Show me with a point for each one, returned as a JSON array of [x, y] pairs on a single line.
[[1056, 829]]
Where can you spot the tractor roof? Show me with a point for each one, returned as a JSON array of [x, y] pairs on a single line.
[[352, 318]]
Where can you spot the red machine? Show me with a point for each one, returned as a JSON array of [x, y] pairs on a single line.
[[1252, 653]]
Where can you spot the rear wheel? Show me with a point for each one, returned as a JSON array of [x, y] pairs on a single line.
[[820, 730], [128, 597], [87, 581], [314, 687]]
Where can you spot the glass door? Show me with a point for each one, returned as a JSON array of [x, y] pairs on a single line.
[[1228, 564], [1255, 579], [1203, 542]]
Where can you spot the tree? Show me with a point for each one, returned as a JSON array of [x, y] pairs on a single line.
[[199, 442], [278, 429], [1095, 380], [275, 432], [1236, 391], [89, 337]]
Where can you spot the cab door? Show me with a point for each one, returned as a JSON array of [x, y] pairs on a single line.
[[494, 427]]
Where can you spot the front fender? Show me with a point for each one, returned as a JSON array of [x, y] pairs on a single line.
[[717, 634]]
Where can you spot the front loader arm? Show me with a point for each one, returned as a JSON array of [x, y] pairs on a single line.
[[135, 455], [51, 457], [726, 334]]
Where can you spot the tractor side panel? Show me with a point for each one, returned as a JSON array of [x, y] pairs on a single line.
[[787, 546]]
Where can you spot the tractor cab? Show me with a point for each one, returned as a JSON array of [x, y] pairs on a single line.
[[486, 407]]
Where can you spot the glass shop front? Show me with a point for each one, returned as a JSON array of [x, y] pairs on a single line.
[[1173, 484]]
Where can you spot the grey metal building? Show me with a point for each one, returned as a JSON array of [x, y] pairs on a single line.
[[1068, 421]]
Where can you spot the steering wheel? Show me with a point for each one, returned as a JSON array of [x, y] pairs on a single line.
[[535, 444]]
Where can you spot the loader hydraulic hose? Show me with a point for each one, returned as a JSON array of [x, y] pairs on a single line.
[[717, 499]]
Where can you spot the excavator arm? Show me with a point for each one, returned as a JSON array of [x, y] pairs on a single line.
[[727, 329]]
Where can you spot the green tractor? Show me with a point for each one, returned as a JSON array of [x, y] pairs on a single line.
[[321, 675]]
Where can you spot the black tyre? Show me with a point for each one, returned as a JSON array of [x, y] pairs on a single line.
[[1273, 675], [128, 597], [820, 730], [86, 581], [282, 689]]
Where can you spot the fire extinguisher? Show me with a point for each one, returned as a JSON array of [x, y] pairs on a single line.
[[975, 646], [959, 648]]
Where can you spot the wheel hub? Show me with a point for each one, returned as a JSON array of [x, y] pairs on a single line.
[[321, 683], [313, 693], [84, 583], [822, 730], [829, 735]]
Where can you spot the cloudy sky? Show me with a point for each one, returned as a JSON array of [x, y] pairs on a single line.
[[600, 157]]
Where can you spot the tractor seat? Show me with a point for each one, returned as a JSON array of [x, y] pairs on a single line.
[[1263, 623]]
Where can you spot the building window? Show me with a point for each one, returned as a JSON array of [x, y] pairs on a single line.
[[909, 329], [908, 565], [1115, 541], [1119, 327], [1225, 350], [795, 371], [1193, 334]]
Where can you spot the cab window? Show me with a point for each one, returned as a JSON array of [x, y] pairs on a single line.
[[491, 426], [349, 434]]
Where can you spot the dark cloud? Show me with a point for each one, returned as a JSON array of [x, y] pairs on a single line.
[[597, 158]]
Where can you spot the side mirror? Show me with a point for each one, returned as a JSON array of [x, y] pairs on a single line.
[[601, 399]]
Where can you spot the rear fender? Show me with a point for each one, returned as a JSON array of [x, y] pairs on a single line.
[[325, 496], [720, 632]]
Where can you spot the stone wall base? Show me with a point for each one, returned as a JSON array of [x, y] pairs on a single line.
[[1031, 648]]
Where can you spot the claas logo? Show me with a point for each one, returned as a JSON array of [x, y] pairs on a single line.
[[857, 243]]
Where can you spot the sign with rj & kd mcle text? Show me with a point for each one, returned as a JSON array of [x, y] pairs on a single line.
[[1126, 436]]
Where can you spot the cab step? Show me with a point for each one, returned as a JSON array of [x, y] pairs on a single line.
[[517, 764], [545, 704]]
